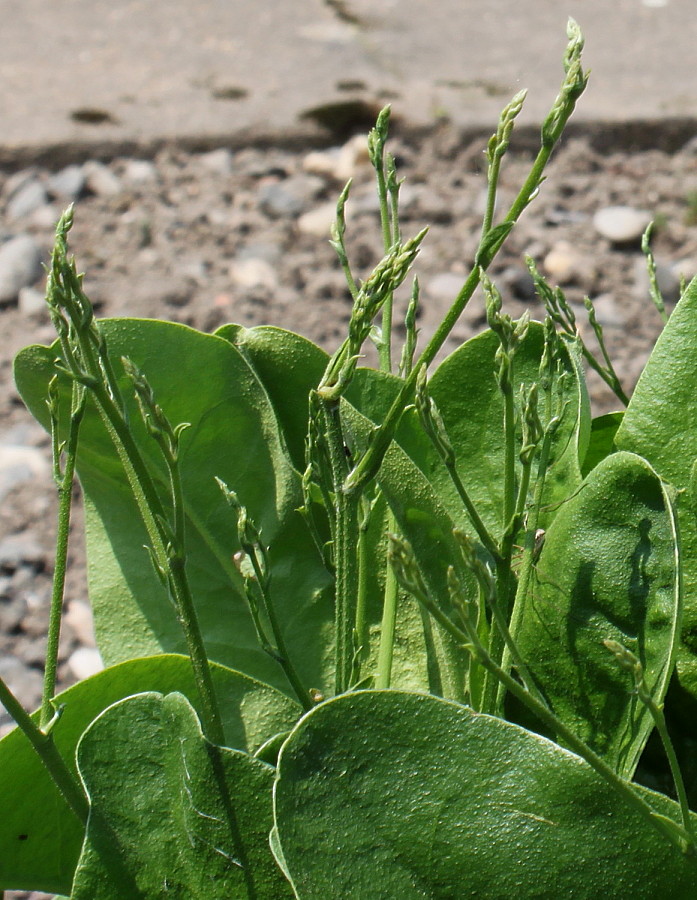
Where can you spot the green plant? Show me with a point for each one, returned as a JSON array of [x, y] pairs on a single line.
[[390, 635]]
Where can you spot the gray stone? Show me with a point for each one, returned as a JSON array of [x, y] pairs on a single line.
[[20, 464], [607, 311], [25, 683], [26, 200], [668, 281], [20, 266], [290, 197], [445, 286], [21, 549], [67, 184], [621, 224], [101, 180]]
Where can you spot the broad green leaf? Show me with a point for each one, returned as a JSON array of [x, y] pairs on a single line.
[[234, 434], [660, 424], [289, 366], [395, 795], [608, 570], [171, 815], [44, 859], [602, 439]]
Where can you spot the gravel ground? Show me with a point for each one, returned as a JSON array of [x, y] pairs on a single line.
[[210, 238]]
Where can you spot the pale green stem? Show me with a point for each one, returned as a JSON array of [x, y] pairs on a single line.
[[388, 623], [64, 483], [281, 656], [46, 750], [660, 723], [345, 555]]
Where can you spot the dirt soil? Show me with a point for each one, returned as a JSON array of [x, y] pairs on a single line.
[[243, 237]]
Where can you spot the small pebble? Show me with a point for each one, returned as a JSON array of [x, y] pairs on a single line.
[[67, 184], [85, 662], [19, 549], [29, 198], [19, 464], [78, 616], [139, 171], [217, 161], [565, 265], [607, 312], [621, 224], [668, 281], [339, 163], [318, 221], [101, 180], [289, 197], [20, 266], [32, 302], [253, 272], [445, 286]]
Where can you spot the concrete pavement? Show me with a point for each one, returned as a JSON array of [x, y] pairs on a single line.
[[91, 75]]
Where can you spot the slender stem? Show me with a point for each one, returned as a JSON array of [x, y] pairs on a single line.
[[282, 656], [45, 748], [361, 626], [509, 430], [388, 623], [345, 557], [64, 483], [660, 723]]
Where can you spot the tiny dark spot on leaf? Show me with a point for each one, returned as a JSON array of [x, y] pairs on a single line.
[[22, 837]]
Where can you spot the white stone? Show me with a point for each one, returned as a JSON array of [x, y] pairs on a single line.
[[79, 617], [139, 171], [100, 179], [621, 224], [20, 266], [340, 163], [318, 221], [217, 161], [253, 272], [563, 264], [32, 302], [85, 662]]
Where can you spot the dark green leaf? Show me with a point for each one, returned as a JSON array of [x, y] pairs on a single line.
[[660, 424], [389, 795], [171, 815], [602, 440], [608, 570], [44, 860]]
